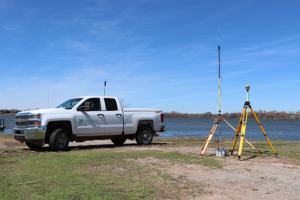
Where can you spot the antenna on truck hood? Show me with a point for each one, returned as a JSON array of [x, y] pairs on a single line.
[[104, 87]]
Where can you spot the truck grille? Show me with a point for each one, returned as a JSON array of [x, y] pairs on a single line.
[[21, 121], [24, 116], [24, 124]]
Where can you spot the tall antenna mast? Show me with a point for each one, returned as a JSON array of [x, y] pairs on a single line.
[[104, 87], [48, 99], [219, 53]]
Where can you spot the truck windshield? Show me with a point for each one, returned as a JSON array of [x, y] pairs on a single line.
[[69, 104]]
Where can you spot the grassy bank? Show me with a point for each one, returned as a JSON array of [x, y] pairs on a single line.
[[94, 174], [129, 172], [284, 149], [91, 175]]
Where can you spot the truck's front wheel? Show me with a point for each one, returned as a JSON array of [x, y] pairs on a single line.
[[59, 140], [144, 135]]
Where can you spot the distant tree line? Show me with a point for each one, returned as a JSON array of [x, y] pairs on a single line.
[[260, 114], [6, 111]]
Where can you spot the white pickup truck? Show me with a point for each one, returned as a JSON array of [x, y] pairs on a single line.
[[87, 118]]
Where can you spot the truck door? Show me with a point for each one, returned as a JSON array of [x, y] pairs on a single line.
[[90, 121], [113, 117]]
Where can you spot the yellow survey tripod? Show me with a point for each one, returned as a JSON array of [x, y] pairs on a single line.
[[243, 124]]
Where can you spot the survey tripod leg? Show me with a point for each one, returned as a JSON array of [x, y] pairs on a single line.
[[209, 137], [238, 131], [262, 129], [251, 145], [211, 131], [242, 135]]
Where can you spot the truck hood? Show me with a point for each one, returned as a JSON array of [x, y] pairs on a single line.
[[46, 111]]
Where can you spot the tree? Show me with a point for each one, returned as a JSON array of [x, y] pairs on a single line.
[[123, 105], [208, 114]]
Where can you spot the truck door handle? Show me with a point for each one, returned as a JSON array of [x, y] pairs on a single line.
[[119, 115], [101, 115]]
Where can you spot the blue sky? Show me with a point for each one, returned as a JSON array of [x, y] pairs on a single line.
[[154, 54]]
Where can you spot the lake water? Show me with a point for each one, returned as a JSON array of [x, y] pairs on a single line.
[[275, 129], [185, 127]]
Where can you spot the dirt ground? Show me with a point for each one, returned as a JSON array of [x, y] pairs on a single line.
[[250, 178]]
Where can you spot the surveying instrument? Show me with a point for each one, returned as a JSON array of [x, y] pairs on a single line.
[[220, 151], [217, 121], [243, 124]]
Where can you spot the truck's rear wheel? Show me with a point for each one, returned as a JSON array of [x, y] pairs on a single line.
[[118, 141], [33, 146], [144, 135], [59, 140]]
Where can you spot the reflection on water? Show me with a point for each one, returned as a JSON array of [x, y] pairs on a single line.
[[185, 127]]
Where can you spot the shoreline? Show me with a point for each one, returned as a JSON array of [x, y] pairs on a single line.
[[181, 138], [224, 117], [211, 117], [8, 114]]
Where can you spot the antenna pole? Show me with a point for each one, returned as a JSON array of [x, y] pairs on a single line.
[[104, 87], [219, 53], [48, 99]]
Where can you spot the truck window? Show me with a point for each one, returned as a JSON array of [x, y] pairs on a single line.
[[95, 104], [69, 104], [110, 104]]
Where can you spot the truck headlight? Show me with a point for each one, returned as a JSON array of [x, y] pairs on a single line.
[[35, 120]]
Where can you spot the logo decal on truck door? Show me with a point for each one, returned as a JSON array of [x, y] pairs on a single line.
[[87, 121]]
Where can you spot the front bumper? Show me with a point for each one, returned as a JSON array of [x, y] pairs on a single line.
[[26, 134]]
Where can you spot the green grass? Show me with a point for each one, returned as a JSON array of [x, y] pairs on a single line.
[[104, 173], [179, 140], [284, 149], [93, 174], [6, 136]]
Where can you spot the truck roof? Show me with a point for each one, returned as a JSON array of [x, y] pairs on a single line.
[[95, 97]]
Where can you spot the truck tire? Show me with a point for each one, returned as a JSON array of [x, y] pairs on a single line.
[[144, 135], [118, 141], [33, 146], [59, 140]]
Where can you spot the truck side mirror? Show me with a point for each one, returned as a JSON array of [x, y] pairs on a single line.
[[86, 106]]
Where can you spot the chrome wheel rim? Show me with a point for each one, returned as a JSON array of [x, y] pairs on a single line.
[[61, 140], [146, 137]]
